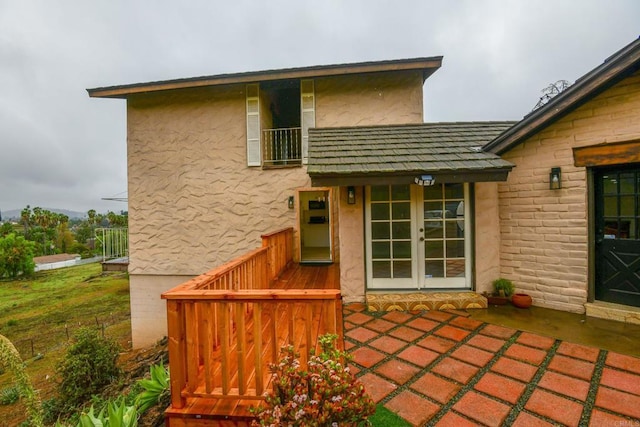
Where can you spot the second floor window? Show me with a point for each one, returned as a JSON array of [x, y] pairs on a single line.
[[279, 115]]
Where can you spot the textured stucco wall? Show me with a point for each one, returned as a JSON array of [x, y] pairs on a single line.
[[544, 246], [487, 235], [352, 264], [193, 202], [372, 99]]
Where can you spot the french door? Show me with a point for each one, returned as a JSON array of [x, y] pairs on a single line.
[[416, 237], [617, 208]]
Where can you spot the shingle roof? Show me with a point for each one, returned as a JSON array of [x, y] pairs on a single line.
[[442, 149], [618, 66]]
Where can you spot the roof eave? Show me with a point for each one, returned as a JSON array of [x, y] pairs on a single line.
[[608, 73], [428, 66]]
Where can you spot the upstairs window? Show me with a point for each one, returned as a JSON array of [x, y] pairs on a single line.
[[279, 115]]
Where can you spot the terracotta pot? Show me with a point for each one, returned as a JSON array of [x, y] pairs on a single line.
[[495, 300], [521, 300]]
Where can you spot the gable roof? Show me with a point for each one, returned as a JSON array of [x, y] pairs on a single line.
[[451, 152], [428, 65], [618, 66]]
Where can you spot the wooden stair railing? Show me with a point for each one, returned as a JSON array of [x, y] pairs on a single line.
[[226, 325]]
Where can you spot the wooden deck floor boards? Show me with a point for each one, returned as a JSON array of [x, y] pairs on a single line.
[[208, 411]]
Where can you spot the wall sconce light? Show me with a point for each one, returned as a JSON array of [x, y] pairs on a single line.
[[351, 195], [555, 179], [425, 180], [290, 202]]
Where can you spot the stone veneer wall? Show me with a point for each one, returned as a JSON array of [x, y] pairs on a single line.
[[193, 202], [543, 239]]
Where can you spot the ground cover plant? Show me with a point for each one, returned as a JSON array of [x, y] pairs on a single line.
[[41, 314]]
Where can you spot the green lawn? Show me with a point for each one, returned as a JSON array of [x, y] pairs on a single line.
[[39, 313]]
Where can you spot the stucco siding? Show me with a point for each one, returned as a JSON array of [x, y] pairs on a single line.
[[373, 99], [544, 233], [193, 202], [487, 235], [352, 270]]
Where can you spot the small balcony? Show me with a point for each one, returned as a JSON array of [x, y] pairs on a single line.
[[281, 147], [226, 326]]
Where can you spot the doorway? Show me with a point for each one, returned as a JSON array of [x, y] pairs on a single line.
[[617, 235], [315, 226], [417, 237]]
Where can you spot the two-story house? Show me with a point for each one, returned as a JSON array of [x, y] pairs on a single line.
[[338, 152]]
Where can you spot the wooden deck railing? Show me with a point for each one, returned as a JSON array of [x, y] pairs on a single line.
[[227, 325]]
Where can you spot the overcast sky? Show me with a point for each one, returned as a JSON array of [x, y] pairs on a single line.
[[61, 149]]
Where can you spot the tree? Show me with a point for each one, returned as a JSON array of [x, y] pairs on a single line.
[[549, 92], [16, 256], [5, 229]]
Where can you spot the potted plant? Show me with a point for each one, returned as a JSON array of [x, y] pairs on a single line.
[[502, 290]]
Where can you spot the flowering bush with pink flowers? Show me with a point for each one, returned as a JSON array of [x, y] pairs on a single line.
[[325, 394]]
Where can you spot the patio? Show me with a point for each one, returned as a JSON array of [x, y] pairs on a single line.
[[452, 369]]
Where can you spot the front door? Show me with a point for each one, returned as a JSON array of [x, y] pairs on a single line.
[[617, 240], [415, 237]]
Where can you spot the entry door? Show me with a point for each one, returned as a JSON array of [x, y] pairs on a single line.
[[415, 237], [617, 209]]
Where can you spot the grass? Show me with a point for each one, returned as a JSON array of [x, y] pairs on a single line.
[[385, 418], [40, 313]]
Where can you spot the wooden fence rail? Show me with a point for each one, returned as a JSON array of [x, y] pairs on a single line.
[[226, 326]]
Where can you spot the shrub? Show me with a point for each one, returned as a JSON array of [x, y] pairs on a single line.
[[88, 366], [156, 389], [503, 286], [9, 395], [324, 394]]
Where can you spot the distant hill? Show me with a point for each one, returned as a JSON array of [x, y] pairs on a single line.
[[15, 214]]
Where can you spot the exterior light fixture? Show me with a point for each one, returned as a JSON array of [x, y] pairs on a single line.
[[290, 202], [351, 195], [555, 179], [425, 180]]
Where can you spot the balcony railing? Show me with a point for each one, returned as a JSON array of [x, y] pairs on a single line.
[[227, 325], [282, 147]]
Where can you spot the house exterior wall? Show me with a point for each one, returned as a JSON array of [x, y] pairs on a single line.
[[352, 264], [194, 203], [544, 233], [487, 235]]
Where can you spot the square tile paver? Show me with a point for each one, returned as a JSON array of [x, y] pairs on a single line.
[[572, 367], [555, 407], [486, 343], [498, 331], [435, 387], [578, 351], [472, 355], [440, 316], [387, 344], [423, 325], [622, 361], [358, 318], [526, 354], [361, 334], [617, 401], [458, 371], [412, 407], [380, 325], [367, 357], [569, 386], [397, 371], [623, 381], [406, 334], [538, 341], [466, 323], [501, 387], [397, 316], [452, 333], [526, 420], [377, 387], [600, 418], [436, 344], [482, 409], [451, 419], [514, 369], [418, 355]]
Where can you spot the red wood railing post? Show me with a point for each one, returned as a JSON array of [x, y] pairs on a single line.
[[177, 353]]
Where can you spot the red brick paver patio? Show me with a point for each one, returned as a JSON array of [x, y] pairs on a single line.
[[444, 369]]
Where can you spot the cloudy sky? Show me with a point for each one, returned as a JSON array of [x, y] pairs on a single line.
[[61, 149]]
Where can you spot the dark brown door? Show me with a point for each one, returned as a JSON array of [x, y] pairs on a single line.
[[617, 198]]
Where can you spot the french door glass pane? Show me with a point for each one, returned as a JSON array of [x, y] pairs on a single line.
[[433, 269], [391, 244]]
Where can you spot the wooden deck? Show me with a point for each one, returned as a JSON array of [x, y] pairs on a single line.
[[222, 341]]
